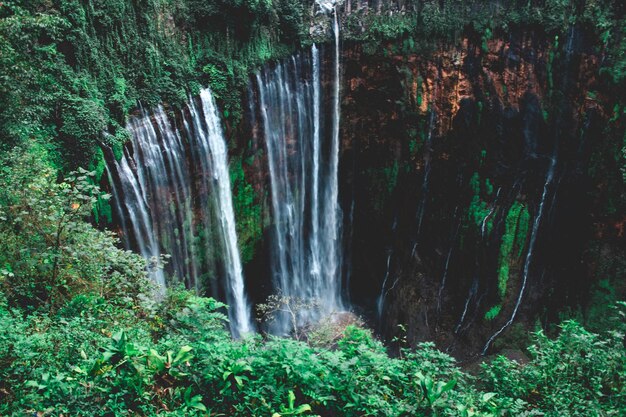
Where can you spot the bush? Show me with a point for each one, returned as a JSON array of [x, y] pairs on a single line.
[[578, 373]]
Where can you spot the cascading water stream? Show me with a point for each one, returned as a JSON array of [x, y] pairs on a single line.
[[444, 278], [333, 212], [315, 222], [161, 169], [153, 186], [427, 168], [380, 302], [137, 212], [569, 49], [303, 169], [472, 293], [118, 207], [483, 225]]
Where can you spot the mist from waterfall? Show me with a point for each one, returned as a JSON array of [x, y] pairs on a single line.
[[171, 189]]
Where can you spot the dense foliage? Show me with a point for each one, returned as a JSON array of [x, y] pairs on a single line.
[[72, 69], [50, 252], [83, 333]]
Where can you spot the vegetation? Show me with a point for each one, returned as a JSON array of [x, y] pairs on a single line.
[[72, 69], [514, 236], [50, 253], [247, 211], [575, 374], [84, 332]]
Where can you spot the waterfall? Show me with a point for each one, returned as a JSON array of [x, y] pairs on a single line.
[[171, 188], [333, 212], [118, 207], [494, 205], [136, 212], [472, 293], [214, 144], [315, 222], [529, 254], [380, 302], [569, 50], [444, 278], [303, 162], [157, 165]]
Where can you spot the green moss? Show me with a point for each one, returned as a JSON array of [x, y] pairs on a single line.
[[549, 68], [521, 234], [478, 209], [480, 106], [413, 147], [483, 155], [486, 36], [493, 312], [247, 211], [97, 164], [102, 209], [420, 82], [118, 151], [391, 177], [488, 187], [515, 234]]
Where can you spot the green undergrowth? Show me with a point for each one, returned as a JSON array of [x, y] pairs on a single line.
[[104, 356], [573, 374], [84, 332]]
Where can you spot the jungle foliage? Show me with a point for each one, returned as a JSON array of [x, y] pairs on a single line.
[[71, 69], [82, 332]]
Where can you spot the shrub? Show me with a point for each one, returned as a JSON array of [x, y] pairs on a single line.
[[51, 252]]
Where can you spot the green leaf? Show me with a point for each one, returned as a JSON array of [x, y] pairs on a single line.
[[303, 408], [488, 396], [183, 355], [156, 361]]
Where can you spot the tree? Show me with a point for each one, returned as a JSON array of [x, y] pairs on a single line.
[[278, 305], [51, 251]]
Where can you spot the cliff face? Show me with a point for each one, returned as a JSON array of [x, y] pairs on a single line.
[[471, 176], [474, 180]]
